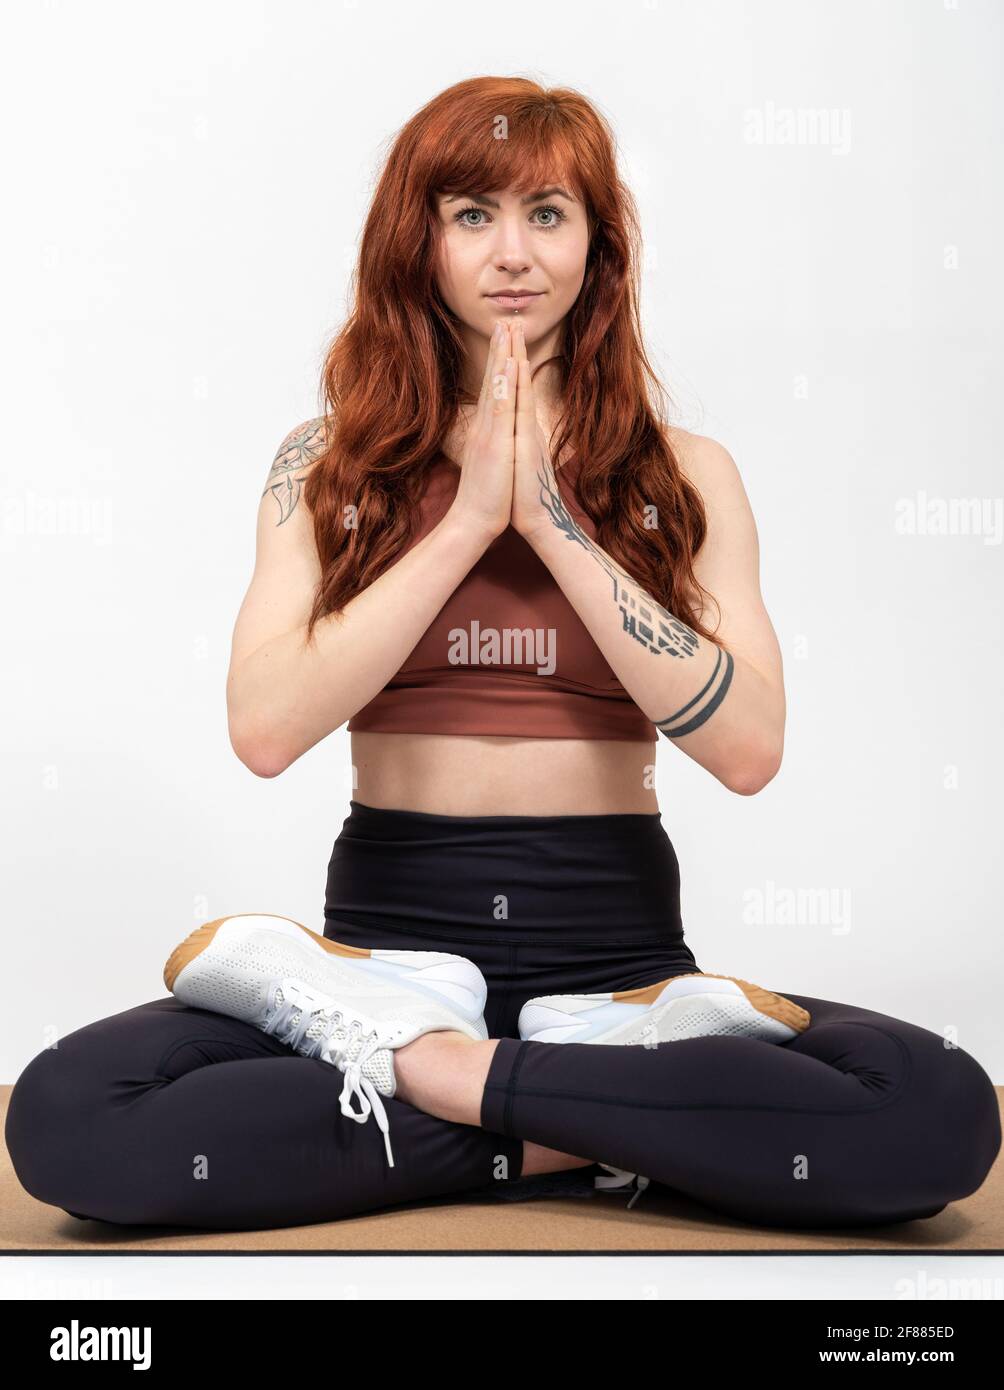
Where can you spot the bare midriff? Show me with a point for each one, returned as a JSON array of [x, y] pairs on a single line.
[[446, 775]]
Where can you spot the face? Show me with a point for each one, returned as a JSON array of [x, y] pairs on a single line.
[[504, 241]]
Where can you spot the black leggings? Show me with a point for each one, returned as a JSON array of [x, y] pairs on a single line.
[[165, 1114]]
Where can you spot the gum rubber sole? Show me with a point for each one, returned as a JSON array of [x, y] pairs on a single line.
[[197, 941], [765, 1001]]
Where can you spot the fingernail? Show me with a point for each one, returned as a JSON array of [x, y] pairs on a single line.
[[497, 335]]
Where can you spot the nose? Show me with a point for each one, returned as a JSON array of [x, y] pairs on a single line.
[[513, 262], [511, 251]]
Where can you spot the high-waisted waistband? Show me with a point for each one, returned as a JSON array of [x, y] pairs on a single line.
[[522, 878]]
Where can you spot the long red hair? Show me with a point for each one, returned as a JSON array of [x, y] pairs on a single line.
[[392, 375]]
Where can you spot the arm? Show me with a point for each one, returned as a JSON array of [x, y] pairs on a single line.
[[283, 697], [725, 711]]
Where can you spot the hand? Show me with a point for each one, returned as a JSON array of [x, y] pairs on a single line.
[[484, 493], [533, 471]]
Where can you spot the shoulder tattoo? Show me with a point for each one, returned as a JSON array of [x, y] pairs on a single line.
[[301, 448]]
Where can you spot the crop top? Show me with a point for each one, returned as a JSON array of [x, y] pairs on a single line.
[[507, 654]]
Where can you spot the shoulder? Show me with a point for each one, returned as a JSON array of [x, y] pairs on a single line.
[[297, 453], [708, 465], [301, 447], [731, 537]]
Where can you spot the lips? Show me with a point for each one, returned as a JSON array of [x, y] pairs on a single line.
[[515, 299]]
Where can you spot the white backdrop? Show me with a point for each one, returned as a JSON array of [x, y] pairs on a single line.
[[820, 193]]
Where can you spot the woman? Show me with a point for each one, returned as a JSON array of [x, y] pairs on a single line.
[[492, 557]]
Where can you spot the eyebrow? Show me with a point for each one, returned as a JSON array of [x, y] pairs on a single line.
[[530, 198]]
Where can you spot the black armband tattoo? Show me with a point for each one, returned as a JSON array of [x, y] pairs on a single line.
[[671, 729]]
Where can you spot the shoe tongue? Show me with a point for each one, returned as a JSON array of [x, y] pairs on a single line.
[[379, 1067], [322, 1024]]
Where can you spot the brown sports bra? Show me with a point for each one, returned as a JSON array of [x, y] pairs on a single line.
[[507, 654]]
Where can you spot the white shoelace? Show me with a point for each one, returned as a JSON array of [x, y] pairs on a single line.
[[357, 1084], [335, 1051], [620, 1178]]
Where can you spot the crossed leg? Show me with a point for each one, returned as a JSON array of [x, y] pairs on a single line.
[[861, 1119], [164, 1114]]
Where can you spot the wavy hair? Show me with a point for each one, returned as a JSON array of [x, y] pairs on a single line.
[[392, 375]]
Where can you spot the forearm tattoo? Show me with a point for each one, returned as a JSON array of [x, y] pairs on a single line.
[[296, 452], [647, 622]]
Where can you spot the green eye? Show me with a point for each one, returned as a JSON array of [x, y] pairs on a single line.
[[558, 216]]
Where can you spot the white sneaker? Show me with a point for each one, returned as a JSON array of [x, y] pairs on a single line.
[[685, 1006], [343, 1004]]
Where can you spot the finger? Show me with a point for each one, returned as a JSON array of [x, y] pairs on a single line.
[[526, 410], [504, 395], [518, 337], [495, 364], [486, 375], [499, 388]]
